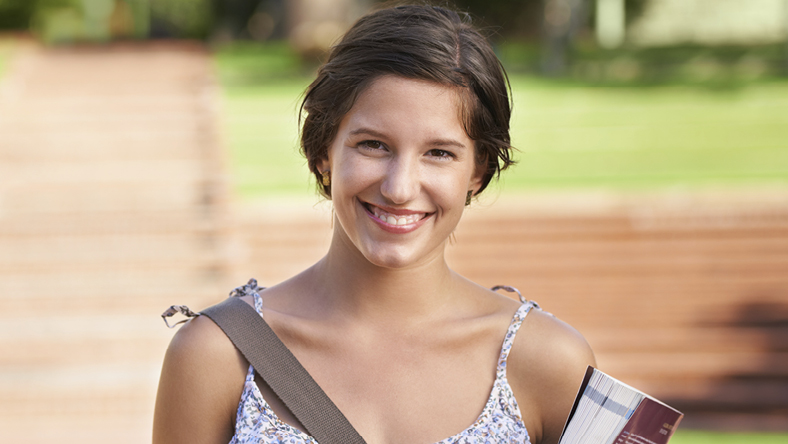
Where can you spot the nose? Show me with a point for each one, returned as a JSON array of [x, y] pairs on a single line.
[[402, 181]]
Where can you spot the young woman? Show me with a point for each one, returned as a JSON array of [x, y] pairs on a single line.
[[406, 121]]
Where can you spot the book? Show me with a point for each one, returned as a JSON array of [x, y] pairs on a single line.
[[607, 411]]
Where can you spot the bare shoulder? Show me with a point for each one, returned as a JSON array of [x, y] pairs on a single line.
[[545, 369], [201, 341], [201, 383], [551, 341]]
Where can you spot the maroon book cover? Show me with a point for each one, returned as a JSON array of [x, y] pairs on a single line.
[[651, 423]]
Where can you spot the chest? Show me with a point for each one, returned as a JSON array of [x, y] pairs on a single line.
[[498, 422], [402, 389]]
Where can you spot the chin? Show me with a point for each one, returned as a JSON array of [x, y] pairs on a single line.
[[388, 260], [396, 260]]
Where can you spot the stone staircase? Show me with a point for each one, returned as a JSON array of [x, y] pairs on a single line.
[[112, 208]]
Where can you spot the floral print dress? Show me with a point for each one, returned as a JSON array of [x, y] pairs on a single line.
[[500, 421]]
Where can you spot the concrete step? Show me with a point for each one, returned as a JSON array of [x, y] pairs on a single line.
[[693, 394], [49, 338], [86, 174], [100, 144], [710, 365], [46, 200], [158, 215], [76, 427], [664, 339], [49, 252], [142, 289], [84, 389]]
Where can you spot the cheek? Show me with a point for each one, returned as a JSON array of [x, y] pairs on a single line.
[[449, 189], [352, 174]]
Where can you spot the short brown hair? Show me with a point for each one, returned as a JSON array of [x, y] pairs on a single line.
[[417, 42]]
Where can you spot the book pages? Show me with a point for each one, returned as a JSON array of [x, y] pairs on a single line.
[[608, 411]]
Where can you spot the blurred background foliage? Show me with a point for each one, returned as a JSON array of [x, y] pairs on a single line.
[[67, 21], [599, 102], [558, 38], [628, 117], [601, 99]]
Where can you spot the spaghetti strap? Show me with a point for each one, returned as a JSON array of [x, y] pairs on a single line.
[[514, 327], [258, 303], [250, 374], [250, 289]]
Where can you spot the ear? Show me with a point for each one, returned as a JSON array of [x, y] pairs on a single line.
[[476, 179], [323, 164]]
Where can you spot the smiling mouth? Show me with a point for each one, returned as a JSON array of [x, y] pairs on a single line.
[[394, 219]]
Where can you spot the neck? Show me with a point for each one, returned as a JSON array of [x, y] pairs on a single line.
[[353, 287]]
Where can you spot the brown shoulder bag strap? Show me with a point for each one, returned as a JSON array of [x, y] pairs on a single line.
[[275, 363]]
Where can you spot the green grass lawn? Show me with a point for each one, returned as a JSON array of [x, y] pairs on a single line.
[[568, 135], [581, 136], [701, 437], [261, 132]]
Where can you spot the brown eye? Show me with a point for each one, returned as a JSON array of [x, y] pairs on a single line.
[[441, 153], [371, 144]]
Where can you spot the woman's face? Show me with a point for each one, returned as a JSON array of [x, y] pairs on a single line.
[[401, 167]]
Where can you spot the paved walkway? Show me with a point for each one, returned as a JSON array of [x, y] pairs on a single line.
[[111, 209]]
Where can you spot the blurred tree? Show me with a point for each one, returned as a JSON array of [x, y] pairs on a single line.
[[634, 8], [70, 20], [58, 21], [268, 20], [552, 24], [231, 17], [63, 21], [523, 19], [561, 22], [181, 18], [509, 18], [16, 14], [249, 19], [556, 24], [314, 25]]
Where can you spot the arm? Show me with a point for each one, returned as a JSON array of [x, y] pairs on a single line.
[[200, 387], [547, 364]]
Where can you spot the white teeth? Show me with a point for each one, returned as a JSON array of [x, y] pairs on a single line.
[[395, 220]]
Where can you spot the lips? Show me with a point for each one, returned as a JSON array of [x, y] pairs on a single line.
[[399, 218]]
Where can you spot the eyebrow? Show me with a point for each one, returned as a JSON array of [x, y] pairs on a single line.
[[434, 142]]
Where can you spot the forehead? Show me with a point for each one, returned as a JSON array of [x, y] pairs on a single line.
[[398, 103]]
